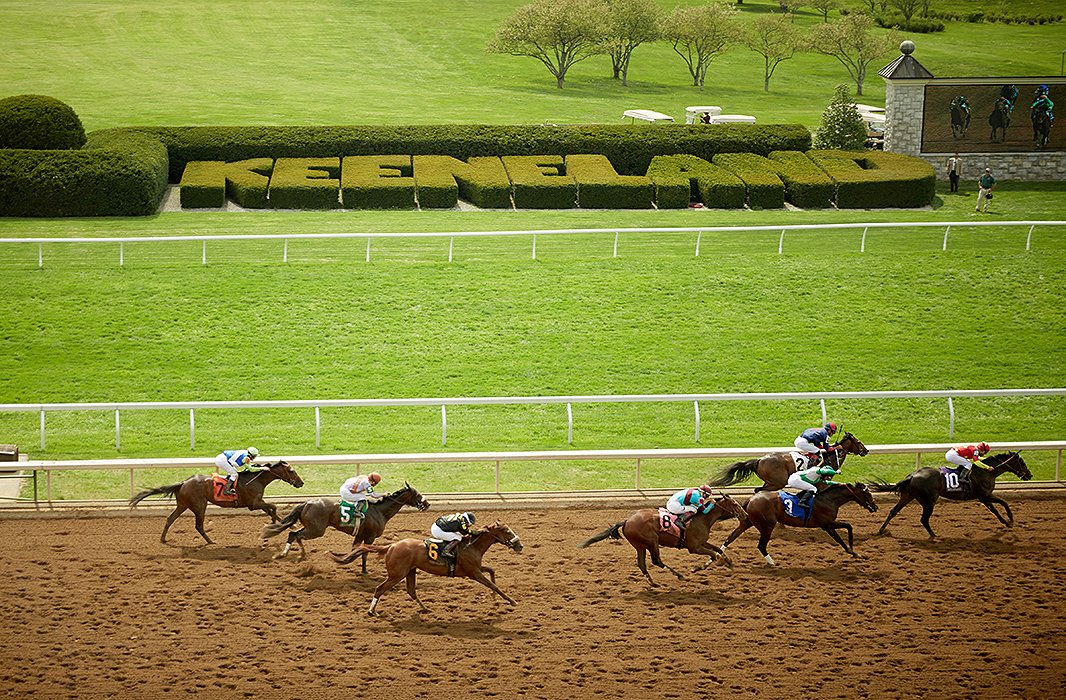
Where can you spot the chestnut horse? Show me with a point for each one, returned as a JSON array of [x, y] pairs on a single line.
[[403, 559], [774, 469], [927, 484], [642, 531], [320, 513], [765, 511], [197, 491]]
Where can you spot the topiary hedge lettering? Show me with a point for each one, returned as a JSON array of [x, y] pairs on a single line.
[[873, 179]]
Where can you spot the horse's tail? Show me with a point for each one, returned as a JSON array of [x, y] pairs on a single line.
[[351, 556], [614, 532], [735, 473], [284, 524], [171, 490], [880, 486]]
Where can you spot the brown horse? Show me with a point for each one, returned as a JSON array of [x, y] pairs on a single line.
[[765, 510], [774, 469], [403, 559], [642, 530], [197, 491], [928, 484], [318, 514]]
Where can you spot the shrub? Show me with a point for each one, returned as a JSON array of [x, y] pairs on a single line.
[[681, 178], [39, 122], [305, 183], [600, 187], [764, 188], [874, 179], [918, 25], [441, 180], [540, 182], [209, 183], [842, 127], [806, 185], [377, 182]]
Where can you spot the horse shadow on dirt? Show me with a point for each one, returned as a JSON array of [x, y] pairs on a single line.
[[831, 574], [248, 556], [992, 545], [466, 629], [700, 598]]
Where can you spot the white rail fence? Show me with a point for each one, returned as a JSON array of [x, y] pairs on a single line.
[[1030, 226], [496, 458], [695, 399]]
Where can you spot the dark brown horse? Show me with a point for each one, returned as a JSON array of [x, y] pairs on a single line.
[[928, 484], [765, 510], [197, 491], [999, 119], [642, 530], [774, 469], [318, 514], [403, 559]]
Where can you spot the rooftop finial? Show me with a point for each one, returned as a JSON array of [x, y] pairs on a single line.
[[907, 47]]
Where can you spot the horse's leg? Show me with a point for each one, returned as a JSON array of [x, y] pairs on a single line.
[[927, 510], [831, 528], [904, 499], [170, 521], [643, 565], [713, 554], [764, 538], [656, 558], [383, 588], [491, 572], [988, 501], [199, 511], [741, 527], [411, 589], [480, 578]]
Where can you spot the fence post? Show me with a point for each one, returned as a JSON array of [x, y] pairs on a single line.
[[285, 252], [132, 493], [699, 236], [1058, 466], [1029, 238], [444, 426], [40, 255], [368, 250], [917, 460], [42, 429], [862, 248], [569, 425], [497, 477], [318, 427], [534, 246], [203, 254], [825, 418], [118, 433], [451, 244], [615, 244], [946, 232], [696, 406], [192, 429], [121, 255], [638, 474], [951, 419], [781, 242]]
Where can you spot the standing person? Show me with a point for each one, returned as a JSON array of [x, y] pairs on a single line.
[[452, 529], [954, 168], [356, 493], [230, 460], [813, 441], [984, 193]]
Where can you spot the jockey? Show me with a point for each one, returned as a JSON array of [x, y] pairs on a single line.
[[968, 455], [230, 460], [687, 501], [1043, 103], [814, 441], [452, 529], [809, 479], [358, 491]]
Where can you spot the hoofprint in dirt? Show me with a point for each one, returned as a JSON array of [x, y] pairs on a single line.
[[98, 607]]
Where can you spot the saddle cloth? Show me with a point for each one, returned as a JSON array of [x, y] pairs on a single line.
[[802, 461], [793, 507], [952, 478], [668, 523], [435, 551], [218, 486], [350, 513]]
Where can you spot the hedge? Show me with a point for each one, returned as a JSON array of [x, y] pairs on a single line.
[[874, 179], [540, 182], [208, 183], [377, 182], [806, 185], [305, 183], [482, 181], [600, 187], [678, 177], [39, 122], [765, 189], [115, 174]]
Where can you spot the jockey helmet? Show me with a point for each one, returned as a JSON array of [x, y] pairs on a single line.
[[707, 490], [831, 427], [1042, 88], [252, 452], [374, 477], [467, 518], [983, 448]]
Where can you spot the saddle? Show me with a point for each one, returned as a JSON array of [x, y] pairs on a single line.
[[218, 488], [671, 525]]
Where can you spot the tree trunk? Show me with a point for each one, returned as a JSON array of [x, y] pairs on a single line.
[[625, 73]]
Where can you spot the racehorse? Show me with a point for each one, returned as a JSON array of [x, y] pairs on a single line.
[[928, 484], [1041, 127], [765, 510], [774, 469], [999, 119], [960, 116], [643, 532], [403, 559], [318, 514], [1009, 93], [197, 491]]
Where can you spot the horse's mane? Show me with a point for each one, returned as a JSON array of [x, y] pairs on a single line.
[[998, 459]]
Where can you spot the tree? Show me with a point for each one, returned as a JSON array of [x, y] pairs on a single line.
[[850, 40], [631, 23], [700, 34], [842, 128], [907, 8], [824, 7], [776, 39], [558, 33]]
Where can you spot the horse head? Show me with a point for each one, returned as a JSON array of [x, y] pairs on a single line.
[[282, 470], [731, 507], [852, 445], [505, 536], [410, 496], [862, 496], [1013, 462]]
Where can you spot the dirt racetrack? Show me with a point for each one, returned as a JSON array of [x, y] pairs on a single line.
[[97, 607]]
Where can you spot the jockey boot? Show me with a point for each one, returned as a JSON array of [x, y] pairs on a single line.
[[814, 459], [806, 498], [229, 487], [451, 549]]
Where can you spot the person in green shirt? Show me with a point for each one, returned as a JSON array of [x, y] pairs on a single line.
[[809, 481], [986, 183]]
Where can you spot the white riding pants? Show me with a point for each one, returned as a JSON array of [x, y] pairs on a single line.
[[675, 507], [955, 458], [797, 481], [804, 446], [223, 464], [442, 535]]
